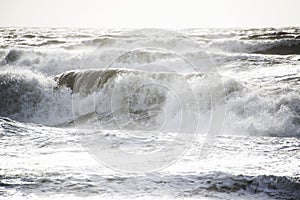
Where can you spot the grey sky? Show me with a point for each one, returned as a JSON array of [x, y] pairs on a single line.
[[150, 13]]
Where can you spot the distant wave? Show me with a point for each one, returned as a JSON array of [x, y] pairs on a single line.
[[282, 49], [274, 36], [276, 47]]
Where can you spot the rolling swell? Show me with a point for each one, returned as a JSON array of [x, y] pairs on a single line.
[[282, 49], [274, 36]]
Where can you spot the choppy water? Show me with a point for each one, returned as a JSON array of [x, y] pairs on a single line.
[[135, 89]]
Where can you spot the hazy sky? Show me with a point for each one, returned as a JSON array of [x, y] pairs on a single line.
[[150, 13]]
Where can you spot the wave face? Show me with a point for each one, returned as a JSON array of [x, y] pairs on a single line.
[[258, 67]]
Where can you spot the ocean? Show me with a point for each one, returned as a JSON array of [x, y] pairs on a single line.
[[149, 113]]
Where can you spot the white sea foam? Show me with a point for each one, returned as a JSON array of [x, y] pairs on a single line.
[[136, 86]]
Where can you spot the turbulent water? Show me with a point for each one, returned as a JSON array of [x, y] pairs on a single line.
[[232, 96]]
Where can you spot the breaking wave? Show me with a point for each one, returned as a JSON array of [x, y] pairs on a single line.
[[37, 85], [31, 97], [247, 111]]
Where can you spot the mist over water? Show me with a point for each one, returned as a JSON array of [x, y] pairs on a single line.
[[138, 88]]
